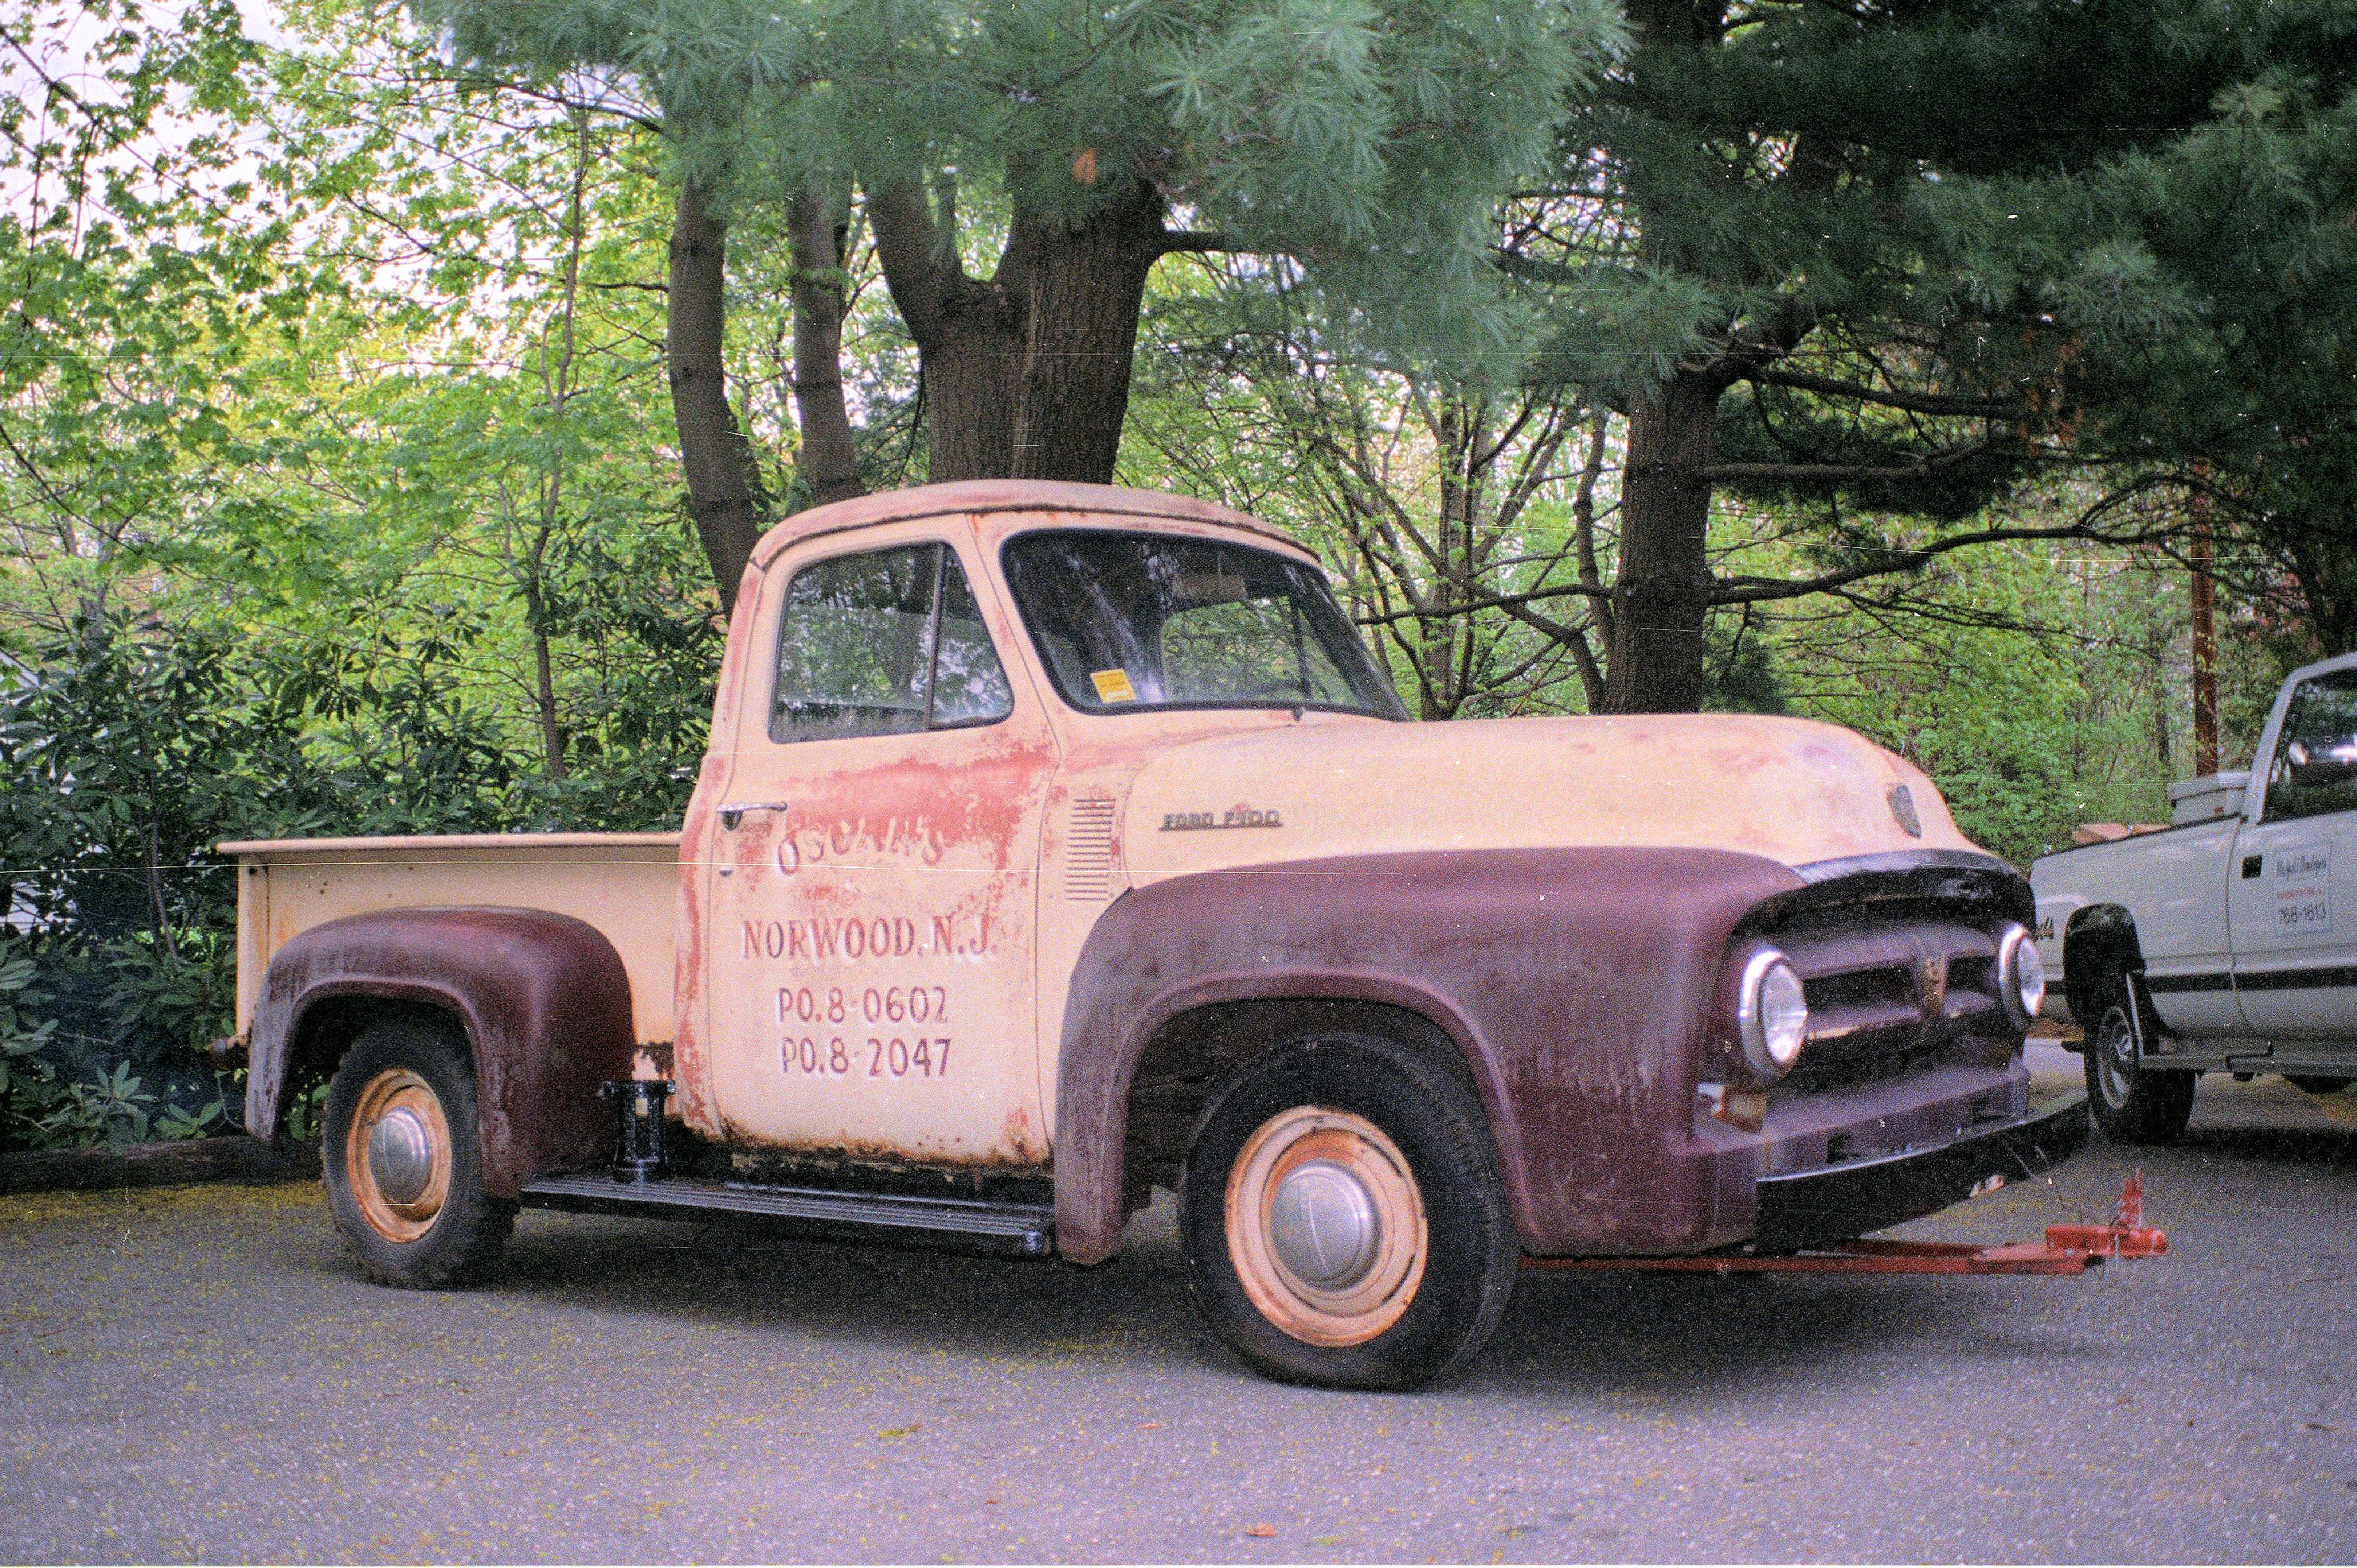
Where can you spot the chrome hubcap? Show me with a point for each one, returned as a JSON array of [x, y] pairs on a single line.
[[2116, 1056], [1323, 1225], [1326, 1225], [401, 1156]]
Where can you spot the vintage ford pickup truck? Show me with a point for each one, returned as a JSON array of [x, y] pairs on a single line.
[[2227, 939], [1056, 842]]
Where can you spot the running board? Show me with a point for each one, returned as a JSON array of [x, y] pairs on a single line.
[[1024, 1230]]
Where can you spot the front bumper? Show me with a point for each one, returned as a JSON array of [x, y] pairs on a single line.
[[1833, 1203]]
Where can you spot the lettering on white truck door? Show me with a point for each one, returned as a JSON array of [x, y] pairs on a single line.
[[2300, 881], [871, 947]]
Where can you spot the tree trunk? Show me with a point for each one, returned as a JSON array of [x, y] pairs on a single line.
[[1081, 287], [544, 685], [1026, 376], [724, 485], [830, 457], [1662, 595], [972, 367]]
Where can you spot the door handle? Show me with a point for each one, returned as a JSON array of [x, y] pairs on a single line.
[[734, 813], [2250, 866]]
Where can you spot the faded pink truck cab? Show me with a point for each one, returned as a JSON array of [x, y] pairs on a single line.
[[1032, 930]]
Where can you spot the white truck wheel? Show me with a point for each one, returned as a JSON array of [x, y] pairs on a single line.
[[2132, 1103]]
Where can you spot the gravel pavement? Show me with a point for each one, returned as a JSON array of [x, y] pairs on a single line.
[[195, 1373]]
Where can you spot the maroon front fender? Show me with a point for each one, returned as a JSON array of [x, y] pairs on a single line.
[[543, 998], [1576, 984]]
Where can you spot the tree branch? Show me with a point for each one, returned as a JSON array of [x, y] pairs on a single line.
[[1847, 473], [1501, 602], [903, 223], [1757, 590], [1202, 242], [1915, 402]]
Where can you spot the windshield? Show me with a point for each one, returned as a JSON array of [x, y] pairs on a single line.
[[1130, 621]]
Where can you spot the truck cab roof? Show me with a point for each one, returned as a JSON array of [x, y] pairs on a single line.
[[981, 497]]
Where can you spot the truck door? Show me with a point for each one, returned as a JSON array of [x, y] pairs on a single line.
[[869, 956], [2181, 900], [2293, 899]]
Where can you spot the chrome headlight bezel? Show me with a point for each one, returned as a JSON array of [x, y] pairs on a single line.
[[1772, 1014], [2020, 975]]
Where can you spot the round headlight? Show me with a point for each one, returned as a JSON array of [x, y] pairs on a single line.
[[1772, 1014], [2020, 976]]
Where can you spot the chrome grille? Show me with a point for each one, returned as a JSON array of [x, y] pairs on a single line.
[[1887, 999]]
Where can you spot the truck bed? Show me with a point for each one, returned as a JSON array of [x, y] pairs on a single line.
[[626, 884]]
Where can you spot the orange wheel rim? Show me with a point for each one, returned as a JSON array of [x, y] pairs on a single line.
[[1326, 1225], [397, 1156]]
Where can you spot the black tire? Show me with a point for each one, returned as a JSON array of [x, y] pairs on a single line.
[[1430, 1140], [449, 1231], [2318, 1083], [2132, 1103]]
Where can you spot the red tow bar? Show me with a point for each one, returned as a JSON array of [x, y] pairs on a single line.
[[2067, 1250]]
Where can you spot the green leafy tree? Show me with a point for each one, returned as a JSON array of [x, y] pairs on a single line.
[[1448, 507]]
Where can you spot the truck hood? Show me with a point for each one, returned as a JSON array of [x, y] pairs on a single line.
[[1793, 791]]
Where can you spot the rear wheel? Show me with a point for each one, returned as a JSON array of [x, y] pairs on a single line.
[[2133, 1103], [1344, 1220], [401, 1157]]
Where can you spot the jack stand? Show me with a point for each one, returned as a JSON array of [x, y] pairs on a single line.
[[639, 1145]]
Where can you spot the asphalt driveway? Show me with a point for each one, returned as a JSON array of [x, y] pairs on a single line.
[[195, 1373]]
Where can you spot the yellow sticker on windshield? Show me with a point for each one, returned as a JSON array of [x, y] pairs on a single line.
[[1112, 686]]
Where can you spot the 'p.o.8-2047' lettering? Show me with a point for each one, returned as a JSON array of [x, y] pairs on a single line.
[[835, 1057]]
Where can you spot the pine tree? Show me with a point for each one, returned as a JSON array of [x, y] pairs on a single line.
[[1883, 257], [1024, 163]]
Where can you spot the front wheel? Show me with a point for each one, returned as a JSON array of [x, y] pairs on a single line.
[[403, 1159], [2133, 1103], [1344, 1220]]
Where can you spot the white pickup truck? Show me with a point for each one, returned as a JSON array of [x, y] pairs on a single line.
[[2227, 939]]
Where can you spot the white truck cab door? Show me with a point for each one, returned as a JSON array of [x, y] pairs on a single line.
[[2292, 897], [869, 948], [2182, 901]]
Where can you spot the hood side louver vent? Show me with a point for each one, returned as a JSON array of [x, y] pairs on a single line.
[[1088, 858]]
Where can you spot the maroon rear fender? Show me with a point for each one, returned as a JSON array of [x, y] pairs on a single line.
[[1576, 984], [543, 999]]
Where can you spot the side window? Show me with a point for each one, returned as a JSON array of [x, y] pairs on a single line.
[[969, 683], [884, 643], [2315, 766]]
